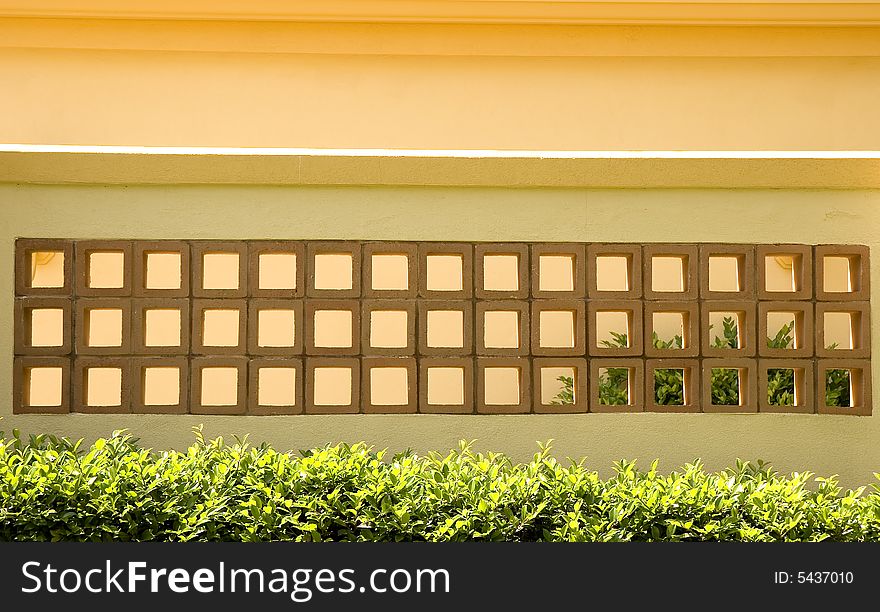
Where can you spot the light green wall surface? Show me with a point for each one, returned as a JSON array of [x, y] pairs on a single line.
[[848, 446]]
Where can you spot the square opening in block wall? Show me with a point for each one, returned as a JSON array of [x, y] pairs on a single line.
[[46, 326], [103, 386], [161, 386], [334, 271], [333, 328], [219, 386], [43, 386], [277, 271], [781, 273], [556, 329], [163, 270], [840, 388], [390, 272], [840, 274], [727, 386], [501, 329], [104, 327], [220, 327], [501, 386], [446, 386], [333, 386], [162, 327], [612, 273], [612, 329], [841, 330], [669, 387], [724, 330], [276, 328], [444, 272], [783, 386], [47, 269], [276, 386], [388, 329], [670, 330], [220, 271], [556, 272], [501, 272], [106, 270], [782, 330], [558, 386], [667, 274], [445, 329], [615, 386], [724, 273], [389, 386]]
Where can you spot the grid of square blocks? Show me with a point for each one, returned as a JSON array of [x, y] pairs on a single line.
[[323, 302]]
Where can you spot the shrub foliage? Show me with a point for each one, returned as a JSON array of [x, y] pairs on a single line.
[[54, 489]]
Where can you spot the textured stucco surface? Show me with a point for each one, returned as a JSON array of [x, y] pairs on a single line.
[[827, 444]]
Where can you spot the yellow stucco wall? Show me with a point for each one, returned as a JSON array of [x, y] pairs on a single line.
[[827, 444]]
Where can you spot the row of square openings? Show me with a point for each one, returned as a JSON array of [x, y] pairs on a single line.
[[445, 272], [390, 328], [447, 385]]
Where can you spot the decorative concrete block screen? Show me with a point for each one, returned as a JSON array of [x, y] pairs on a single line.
[[276, 327]]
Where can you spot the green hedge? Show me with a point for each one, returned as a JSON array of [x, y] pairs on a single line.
[[54, 489]]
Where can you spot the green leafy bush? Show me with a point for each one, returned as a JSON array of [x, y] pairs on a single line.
[[54, 489]]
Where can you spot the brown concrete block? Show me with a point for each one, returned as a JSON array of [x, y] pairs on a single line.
[[410, 393], [521, 279], [408, 334], [299, 326], [748, 384], [521, 308], [573, 250], [142, 252], [484, 386], [313, 335], [314, 364], [81, 368], [271, 288], [466, 308], [24, 249], [446, 249], [141, 306], [82, 323], [23, 327], [317, 249], [691, 328], [803, 329], [207, 405], [274, 406], [634, 331], [21, 380], [745, 311], [745, 258], [465, 365], [860, 319], [200, 250], [580, 387], [84, 250], [691, 368], [578, 308], [803, 272], [860, 386], [859, 271], [689, 270], [633, 255], [636, 369], [408, 249], [804, 383], [139, 367], [199, 307]]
